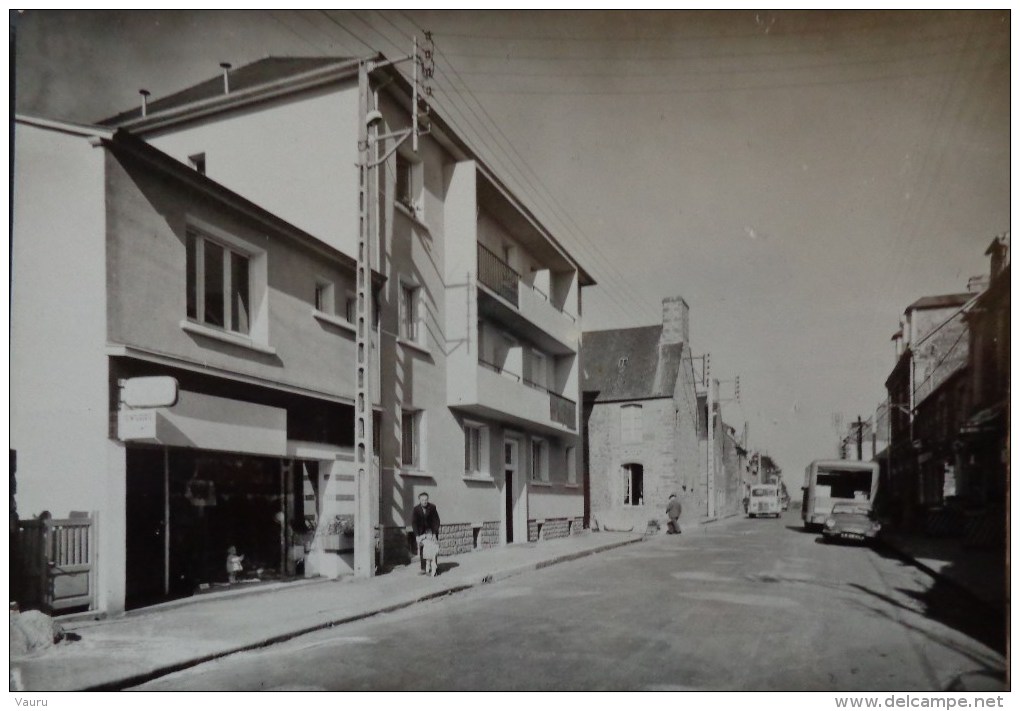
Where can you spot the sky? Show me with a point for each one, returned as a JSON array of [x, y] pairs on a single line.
[[798, 177]]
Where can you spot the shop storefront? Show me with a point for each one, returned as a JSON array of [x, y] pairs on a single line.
[[186, 509], [210, 477]]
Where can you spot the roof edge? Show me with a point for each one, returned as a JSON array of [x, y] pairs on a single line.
[[341, 69], [124, 140], [75, 129]]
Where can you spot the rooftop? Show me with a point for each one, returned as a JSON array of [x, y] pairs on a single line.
[[629, 364], [941, 301], [248, 76]]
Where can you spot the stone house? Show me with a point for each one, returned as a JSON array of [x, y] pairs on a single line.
[[982, 441], [924, 385], [640, 421]]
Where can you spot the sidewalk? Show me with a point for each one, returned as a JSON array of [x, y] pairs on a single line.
[[145, 644], [979, 572]]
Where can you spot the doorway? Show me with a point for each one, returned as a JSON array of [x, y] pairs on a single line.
[[511, 453], [633, 485], [146, 579]]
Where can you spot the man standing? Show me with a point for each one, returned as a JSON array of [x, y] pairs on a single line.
[[424, 519], [673, 511]]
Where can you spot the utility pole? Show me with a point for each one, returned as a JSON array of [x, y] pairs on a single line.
[[364, 526], [710, 484], [369, 139], [860, 439]]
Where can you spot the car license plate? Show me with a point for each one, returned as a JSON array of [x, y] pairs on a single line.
[[852, 536]]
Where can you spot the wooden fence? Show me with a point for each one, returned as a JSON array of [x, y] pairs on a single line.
[[54, 564]]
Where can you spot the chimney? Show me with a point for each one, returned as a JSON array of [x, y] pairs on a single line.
[[675, 321], [997, 250], [145, 101], [226, 76]]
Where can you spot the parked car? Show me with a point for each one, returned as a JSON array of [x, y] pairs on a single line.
[[851, 522]]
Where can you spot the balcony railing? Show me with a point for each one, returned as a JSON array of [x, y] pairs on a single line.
[[499, 276], [499, 369], [562, 410]]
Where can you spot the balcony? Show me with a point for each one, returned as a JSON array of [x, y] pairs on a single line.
[[498, 276], [504, 395], [505, 297]]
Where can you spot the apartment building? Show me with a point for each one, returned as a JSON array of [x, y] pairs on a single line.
[[212, 231]]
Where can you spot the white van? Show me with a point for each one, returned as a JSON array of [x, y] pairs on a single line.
[[764, 501]]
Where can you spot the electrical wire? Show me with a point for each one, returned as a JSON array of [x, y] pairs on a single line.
[[622, 283], [497, 160], [390, 42]]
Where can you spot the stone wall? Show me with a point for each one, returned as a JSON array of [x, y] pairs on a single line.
[[555, 528], [488, 535], [456, 538]]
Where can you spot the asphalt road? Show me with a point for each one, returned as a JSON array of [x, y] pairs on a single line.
[[737, 605]]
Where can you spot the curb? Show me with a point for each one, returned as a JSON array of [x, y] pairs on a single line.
[[136, 679], [928, 570]]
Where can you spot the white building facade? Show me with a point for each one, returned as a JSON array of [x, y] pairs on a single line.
[[211, 242]]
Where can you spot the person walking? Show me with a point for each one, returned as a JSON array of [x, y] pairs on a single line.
[[673, 511], [424, 520]]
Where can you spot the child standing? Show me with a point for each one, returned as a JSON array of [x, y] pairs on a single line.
[[430, 552], [233, 564]]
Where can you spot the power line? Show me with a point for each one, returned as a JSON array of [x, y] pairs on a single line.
[[624, 285], [330, 18], [828, 49], [525, 182], [658, 74], [831, 83], [880, 24], [368, 25], [941, 360]]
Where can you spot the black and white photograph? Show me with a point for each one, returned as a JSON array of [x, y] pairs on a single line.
[[449, 350]]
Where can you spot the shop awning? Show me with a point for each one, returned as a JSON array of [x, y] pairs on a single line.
[[983, 421], [201, 421]]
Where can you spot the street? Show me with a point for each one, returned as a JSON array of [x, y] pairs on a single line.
[[741, 604]]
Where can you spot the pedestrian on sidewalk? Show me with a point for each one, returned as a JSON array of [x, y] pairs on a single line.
[[233, 564], [673, 511], [424, 520]]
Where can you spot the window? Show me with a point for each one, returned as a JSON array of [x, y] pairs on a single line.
[[409, 313], [376, 433], [218, 285], [537, 371], [409, 440], [350, 306], [476, 449], [324, 297], [407, 181], [539, 460], [630, 423], [571, 457], [633, 485], [197, 162]]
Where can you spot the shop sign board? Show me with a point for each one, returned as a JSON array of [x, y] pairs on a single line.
[[152, 391]]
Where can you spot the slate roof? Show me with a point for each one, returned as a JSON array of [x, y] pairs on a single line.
[[262, 71], [629, 364], [941, 301]]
